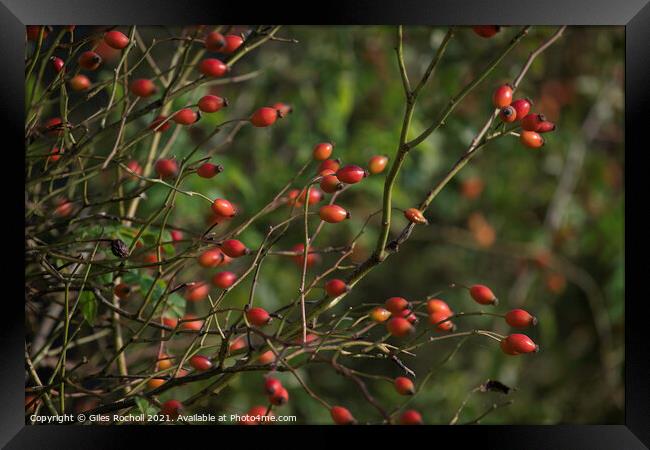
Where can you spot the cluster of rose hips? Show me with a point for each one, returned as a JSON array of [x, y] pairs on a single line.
[[532, 124], [334, 178], [400, 319]]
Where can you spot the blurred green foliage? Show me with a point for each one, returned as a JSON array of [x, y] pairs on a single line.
[[344, 86]]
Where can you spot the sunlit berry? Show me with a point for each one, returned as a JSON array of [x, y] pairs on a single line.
[[185, 117], [322, 151], [502, 96], [377, 164], [329, 164], [522, 107], [336, 287], [439, 320], [520, 343], [396, 304], [414, 215], [142, 87], [89, 60], [520, 318], [404, 386], [483, 295], [342, 416], [379, 314], [222, 207], [508, 114], [233, 42], [351, 174], [213, 67], [79, 83], [212, 103], [531, 139], [264, 117], [258, 316], [116, 39], [333, 213], [234, 248], [436, 305]]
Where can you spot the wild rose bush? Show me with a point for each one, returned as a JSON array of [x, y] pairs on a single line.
[[129, 287]]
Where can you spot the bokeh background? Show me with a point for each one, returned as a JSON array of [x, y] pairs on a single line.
[[543, 228]]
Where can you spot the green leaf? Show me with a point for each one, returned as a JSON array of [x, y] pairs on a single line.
[[150, 239], [131, 278], [169, 249], [145, 407], [88, 305], [175, 305]]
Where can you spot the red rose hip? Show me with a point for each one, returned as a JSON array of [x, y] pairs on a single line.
[[414, 215], [234, 248], [522, 107], [271, 385], [520, 318], [209, 170], [212, 103], [264, 117], [404, 386], [185, 117], [322, 151], [222, 207], [333, 214], [502, 96], [531, 139], [351, 174], [116, 39], [89, 60], [258, 316], [142, 87], [342, 416], [377, 164], [166, 168], [483, 295], [396, 305], [213, 67], [336, 287], [399, 327]]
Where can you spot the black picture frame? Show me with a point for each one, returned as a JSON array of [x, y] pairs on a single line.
[[633, 14]]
